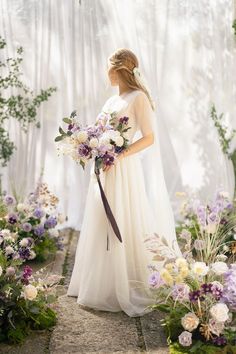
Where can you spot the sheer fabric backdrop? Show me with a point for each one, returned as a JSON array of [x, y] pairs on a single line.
[[187, 52]]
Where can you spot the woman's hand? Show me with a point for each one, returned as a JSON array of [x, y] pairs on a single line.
[[119, 157]]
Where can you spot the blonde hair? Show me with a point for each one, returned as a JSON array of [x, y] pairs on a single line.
[[124, 61]]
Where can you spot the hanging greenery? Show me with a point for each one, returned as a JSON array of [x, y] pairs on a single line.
[[17, 101], [224, 136]]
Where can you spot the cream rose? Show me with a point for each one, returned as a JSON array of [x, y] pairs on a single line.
[[181, 262], [81, 136], [190, 321], [30, 292], [219, 312], [119, 141], [93, 142]]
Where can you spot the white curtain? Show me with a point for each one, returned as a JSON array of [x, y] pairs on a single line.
[[187, 52]]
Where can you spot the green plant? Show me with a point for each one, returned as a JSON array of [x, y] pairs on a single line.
[[17, 101]]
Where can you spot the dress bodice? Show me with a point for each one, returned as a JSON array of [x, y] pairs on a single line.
[[123, 106]]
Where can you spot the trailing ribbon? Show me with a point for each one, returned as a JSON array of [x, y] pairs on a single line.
[[107, 208]]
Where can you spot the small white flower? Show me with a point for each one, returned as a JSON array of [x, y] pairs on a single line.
[[200, 268], [181, 262], [30, 292], [0, 270], [10, 271], [219, 268], [219, 312], [24, 242], [9, 250]]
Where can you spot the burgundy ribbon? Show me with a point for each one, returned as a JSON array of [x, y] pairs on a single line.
[[107, 208]]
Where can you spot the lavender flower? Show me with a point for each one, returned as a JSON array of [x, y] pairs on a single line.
[[27, 227], [155, 280], [199, 245], [185, 338], [229, 291], [50, 222], [39, 230], [9, 200], [180, 292], [38, 213]]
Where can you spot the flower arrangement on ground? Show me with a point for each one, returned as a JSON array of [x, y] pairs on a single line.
[[28, 229], [197, 292]]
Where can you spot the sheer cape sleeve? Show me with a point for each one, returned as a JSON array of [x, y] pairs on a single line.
[[155, 185]]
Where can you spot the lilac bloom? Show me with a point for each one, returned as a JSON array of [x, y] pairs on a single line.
[[38, 213], [27, 227], [9, 200], [50, 222], [39, 230]]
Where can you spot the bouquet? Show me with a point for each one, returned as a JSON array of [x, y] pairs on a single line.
[[102, 141]]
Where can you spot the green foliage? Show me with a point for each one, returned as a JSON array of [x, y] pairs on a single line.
[[222, 131], [44, 248], [199, 347], [22, 104], [234, 27]]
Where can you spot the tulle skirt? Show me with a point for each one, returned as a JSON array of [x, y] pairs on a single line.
[[115, 279]]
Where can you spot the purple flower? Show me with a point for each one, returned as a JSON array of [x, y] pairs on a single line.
[[9, 200], [38, 213], [50, 222], [195, 295], [180, 292], [206, 288], [24, 252], [39, 230], [12, 218], [124, 120], [70, 126], [84, 150], [27, 227], [155, 280], [229, 290], [220, 341], [108, 159]]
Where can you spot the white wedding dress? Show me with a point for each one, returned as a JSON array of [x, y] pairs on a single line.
[[117, 279]]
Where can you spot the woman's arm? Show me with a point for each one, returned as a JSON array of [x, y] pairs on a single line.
[[138, 145]]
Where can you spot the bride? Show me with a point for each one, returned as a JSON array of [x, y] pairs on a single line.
[[116, 278]]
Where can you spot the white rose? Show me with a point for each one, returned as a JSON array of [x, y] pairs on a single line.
[[216, 327], [219, 268], [190, 321], [24, 242], [104, 141], [30, 292], [9, 250], [219, 312], [0, 270], [126, 135], [82, 136], [93, 142], [200, 268], [119, 141]]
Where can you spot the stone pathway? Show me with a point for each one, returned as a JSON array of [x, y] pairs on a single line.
[[83, 330]]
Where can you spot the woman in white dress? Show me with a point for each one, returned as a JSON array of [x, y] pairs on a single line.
[[116, 279]]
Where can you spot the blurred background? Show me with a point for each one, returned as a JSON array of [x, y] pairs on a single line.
[[187, 53]]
